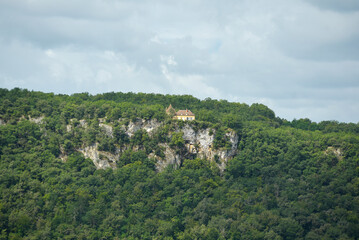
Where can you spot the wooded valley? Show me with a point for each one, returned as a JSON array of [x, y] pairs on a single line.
[[287, 179]]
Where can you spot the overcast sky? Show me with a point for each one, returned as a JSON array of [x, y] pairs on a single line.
[[299, 57]]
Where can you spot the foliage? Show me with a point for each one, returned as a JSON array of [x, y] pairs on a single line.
[[289, 180], [177, 140]]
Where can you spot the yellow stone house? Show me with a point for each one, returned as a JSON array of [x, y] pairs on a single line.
[[185, 115]]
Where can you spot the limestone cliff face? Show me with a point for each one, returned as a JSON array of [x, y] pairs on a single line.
[[197, 144], [201, 143], [37, 120], [101, 159], [149, 126], [171, 158], [107, 129], [337, 152]]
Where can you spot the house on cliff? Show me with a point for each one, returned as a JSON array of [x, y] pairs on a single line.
[[185, 115]]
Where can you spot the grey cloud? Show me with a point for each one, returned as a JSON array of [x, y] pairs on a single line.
[[312, 34], [296, 57], [335, 5], [345, 50]]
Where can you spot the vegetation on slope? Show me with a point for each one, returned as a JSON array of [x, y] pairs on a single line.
[[289, 180]]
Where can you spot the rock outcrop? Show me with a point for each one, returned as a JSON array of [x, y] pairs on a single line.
[[337, 152], [107, 129], [171, 158], [149, 126], [198, 143], [101, 159], [201, 143], [37, 120]]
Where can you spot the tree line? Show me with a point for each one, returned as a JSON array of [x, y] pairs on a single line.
[[289, 180]]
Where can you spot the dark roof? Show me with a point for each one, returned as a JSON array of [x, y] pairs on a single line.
[[184, 113]]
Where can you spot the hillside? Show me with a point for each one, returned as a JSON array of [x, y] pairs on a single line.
[[116, 166]]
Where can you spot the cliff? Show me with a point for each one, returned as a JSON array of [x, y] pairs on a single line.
[[197, 143]]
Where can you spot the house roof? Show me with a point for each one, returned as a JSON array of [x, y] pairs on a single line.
[[170, 109], [184, 113]]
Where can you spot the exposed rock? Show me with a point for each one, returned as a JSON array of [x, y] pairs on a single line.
[[2, 122], [102, 160], [102, 120], [225, 155], [149, 126], [63, 156], [189, 134], [171, 158], [133, 127], [201, 142], [36, 120], [336, 151], [83, 123], [107, 128]]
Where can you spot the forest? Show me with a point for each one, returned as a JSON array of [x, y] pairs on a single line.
[[288, 180]]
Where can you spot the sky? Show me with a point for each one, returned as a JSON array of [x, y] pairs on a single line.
[[298, 57]]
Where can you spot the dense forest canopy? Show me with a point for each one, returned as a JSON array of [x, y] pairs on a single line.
[[289, 179]]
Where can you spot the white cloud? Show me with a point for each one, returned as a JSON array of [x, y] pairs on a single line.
[[170, 60], [298, 57], [189, 84]]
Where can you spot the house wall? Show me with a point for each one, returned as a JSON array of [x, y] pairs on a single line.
[[185, 118]]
